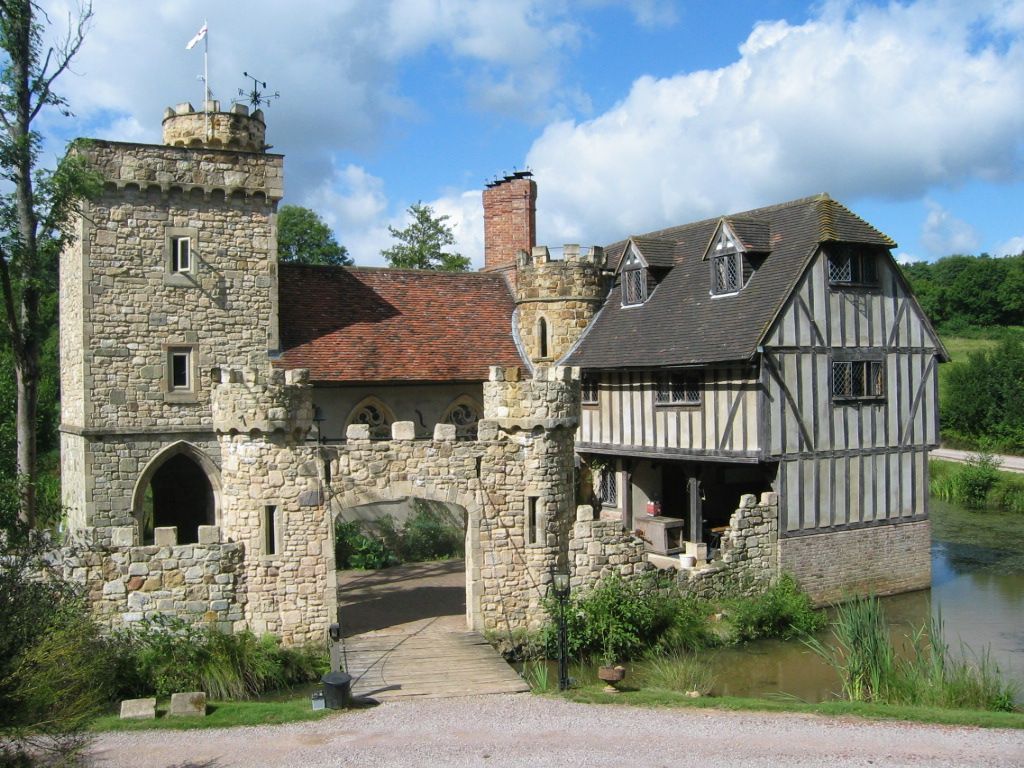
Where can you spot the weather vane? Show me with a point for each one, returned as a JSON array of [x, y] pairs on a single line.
[[256, 95]]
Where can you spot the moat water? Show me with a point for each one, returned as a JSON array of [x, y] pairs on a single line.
[[977, 589]]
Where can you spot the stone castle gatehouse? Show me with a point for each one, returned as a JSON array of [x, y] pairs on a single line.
[[706, 387]]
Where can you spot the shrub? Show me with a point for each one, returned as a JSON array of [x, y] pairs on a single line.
[[354, 549], [616, 620], [165, 654], [783, 610], [974, 479], [427, 535], [55, 669]]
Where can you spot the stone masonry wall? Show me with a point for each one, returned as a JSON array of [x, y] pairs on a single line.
[[878, 560], [235, 129], [599, 548], [565, 293], [99, 475], [135, 308], [749, 553], [197, 582]]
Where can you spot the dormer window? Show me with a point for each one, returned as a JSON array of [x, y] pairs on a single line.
[[634, 280], [849, 267], [726, 265]]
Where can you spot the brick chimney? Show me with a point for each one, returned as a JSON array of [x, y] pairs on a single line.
[[510, 220]]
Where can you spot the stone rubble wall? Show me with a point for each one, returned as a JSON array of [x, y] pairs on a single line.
[[236, 129], [565, 293], [748, 559], [599, 548], [99, 475], [284, 592], [278, 401], [126, 583], [881, 559]]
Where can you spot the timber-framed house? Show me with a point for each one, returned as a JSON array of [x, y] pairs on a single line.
[[775, 350]]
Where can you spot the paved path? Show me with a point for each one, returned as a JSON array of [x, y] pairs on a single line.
[[525, 730], [406, 635], [1009, 463]]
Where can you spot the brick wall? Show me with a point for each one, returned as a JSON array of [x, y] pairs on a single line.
[[879, 560], [510, 220]]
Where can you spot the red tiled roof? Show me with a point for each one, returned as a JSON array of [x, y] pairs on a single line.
[[359, 324]]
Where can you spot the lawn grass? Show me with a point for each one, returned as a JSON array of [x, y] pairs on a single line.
[[655, 698], [224, 714]]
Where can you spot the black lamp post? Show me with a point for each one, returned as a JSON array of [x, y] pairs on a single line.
[[560, 586]]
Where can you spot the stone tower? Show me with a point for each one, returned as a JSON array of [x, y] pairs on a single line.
[[173, 273], [556, 299]]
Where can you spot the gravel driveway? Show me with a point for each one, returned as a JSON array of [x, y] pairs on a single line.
[[523, 730]]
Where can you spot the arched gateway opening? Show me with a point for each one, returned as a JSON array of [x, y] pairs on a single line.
[[177, 489], [401, 566]]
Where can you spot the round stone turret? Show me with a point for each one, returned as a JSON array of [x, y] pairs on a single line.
[[556, 298], [235, 129]]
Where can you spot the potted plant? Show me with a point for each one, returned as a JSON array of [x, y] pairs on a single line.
[[609, 672]]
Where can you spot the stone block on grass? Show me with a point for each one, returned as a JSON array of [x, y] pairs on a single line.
[[138, 709], [189, 704]]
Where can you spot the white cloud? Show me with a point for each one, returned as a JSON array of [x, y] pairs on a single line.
[[943, 233], [1011, 247], [882, 101], [903, 257]]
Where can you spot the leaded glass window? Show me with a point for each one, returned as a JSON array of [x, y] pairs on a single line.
[[677, 390], [854, 379], [852, 267], [609, 490], [727, 273], [634, 280], [588, 390]]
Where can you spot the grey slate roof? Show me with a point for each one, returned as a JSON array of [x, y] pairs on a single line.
[[657, 252], [681, 324]]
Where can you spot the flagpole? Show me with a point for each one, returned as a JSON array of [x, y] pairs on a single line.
[[206, 78]]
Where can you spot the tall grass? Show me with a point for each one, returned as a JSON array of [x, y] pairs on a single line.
[[165, 655], [870, 668], [978, 483], [674, 672]]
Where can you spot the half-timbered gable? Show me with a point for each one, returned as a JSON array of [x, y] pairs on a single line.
[[817, 376]]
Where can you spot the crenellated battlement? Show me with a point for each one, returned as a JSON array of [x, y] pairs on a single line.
[[236, 129], [247, 401], [570, 253], [550, 399]]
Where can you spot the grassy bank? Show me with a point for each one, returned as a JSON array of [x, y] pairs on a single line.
[[220, 714]]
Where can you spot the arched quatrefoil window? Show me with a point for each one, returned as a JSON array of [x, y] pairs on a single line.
[[464, 413], [377, 416], [634, 279]]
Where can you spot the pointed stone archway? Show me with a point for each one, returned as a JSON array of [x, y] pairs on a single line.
[[179, 487]]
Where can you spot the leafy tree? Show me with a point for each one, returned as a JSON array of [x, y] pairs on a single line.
[[304, 238], [35, 211], [421, 244], [984, 398]]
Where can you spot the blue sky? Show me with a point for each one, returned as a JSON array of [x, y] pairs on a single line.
[[634, 115]]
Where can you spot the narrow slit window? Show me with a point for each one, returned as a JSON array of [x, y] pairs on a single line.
[[270, 530], [181, 254], [542, 337], [531, 519]]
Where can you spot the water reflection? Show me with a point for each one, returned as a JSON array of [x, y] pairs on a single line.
[[977, 590]]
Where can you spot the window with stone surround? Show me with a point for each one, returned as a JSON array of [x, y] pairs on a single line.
[[180, 247], [180, 374]]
